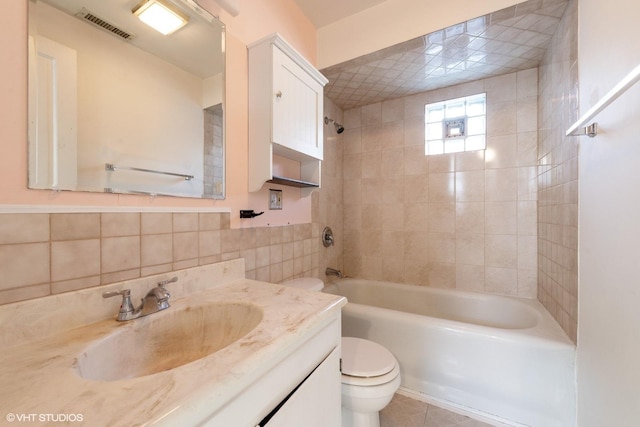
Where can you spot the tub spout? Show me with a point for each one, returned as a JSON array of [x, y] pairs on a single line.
[[333, 272]]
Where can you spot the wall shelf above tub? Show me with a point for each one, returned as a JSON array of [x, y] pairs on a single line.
[[285, 114]]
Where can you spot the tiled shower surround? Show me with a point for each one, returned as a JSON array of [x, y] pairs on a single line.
[[465, 220], [328, 203], [558, 176], [50, 253]]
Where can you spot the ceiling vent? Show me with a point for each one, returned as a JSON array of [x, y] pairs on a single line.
[[86, 15]]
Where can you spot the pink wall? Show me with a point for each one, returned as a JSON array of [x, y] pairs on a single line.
[[256, 19]]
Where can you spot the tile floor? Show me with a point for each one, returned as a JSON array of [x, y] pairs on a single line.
[[406, 412]]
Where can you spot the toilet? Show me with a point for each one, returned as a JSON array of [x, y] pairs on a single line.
[[370, 373], [370, 377]]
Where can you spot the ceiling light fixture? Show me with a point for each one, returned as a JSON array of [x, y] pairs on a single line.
[[160, 16]]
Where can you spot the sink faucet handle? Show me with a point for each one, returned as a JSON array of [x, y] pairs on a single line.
[[125, 293], [126, 308], [166, 282]]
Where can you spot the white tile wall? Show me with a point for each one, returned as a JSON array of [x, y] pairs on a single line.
[[558, 176]]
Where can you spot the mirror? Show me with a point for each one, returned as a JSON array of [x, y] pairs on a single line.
[[115, 106]]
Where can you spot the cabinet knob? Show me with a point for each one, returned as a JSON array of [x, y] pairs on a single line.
[[279, 94]]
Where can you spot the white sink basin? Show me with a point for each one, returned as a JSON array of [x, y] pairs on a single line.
[[166, 340]]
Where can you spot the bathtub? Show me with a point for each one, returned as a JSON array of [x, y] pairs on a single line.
[[501, 358]]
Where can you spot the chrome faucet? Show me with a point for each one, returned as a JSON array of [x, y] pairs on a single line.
[[333, 272], [157, 299]]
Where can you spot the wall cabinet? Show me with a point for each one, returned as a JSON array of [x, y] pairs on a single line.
[[285, 113]]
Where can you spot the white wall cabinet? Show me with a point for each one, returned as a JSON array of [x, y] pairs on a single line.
[[285, 113]]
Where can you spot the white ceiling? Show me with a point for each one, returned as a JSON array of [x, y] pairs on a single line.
[[191, 47], [325, 12]]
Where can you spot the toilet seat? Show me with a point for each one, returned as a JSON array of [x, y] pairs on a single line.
[[348, 380], [366, 363]]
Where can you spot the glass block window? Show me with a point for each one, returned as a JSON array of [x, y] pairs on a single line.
[[456, 125]]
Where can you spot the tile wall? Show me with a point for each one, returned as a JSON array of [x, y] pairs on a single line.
[[505, 41], [465, 220], [328, 204], [213, 173], [558, 176], [50, 253]]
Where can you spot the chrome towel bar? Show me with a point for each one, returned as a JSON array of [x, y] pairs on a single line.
[[580, 127], [112, 167]]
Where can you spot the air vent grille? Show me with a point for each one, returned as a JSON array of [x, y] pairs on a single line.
[[86, 15]]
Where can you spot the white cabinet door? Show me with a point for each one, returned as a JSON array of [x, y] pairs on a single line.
[[297, 107], [316, 402]]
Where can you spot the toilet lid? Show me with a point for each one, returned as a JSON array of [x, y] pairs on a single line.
[[363, 358]]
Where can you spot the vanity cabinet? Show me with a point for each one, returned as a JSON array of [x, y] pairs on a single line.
[[285, 114], [315, 402], [303, 389]]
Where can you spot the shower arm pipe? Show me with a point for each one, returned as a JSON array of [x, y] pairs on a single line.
[[339, 128], [581, 127]]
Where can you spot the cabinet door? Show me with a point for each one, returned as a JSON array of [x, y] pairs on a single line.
[[316, 402], [297, 107]]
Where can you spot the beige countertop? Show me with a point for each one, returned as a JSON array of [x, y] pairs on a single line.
[[38, 376]]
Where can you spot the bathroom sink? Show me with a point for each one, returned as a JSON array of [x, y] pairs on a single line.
[[167, 340]]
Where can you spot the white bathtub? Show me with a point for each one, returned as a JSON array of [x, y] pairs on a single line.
[[502, 358]]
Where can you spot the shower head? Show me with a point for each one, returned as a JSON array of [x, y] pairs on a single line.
[[338, 126]]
